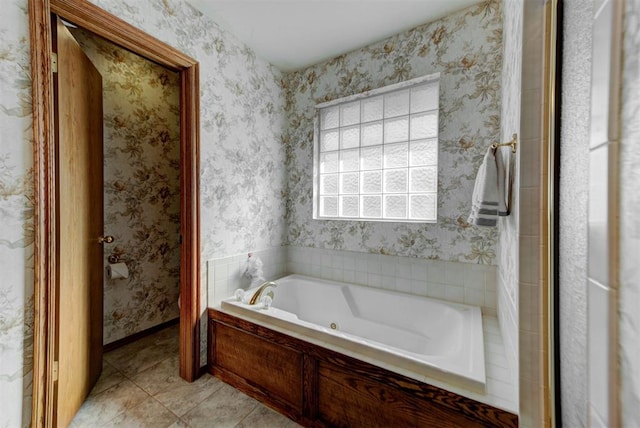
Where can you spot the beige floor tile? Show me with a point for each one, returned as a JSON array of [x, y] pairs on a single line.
[[149, 367], [183, 396], [128, 349], [167, 336], [109, 377], [164, 342], [101, 408], [226, 408], [134, 361], [159, 377], [263, 416], [179, 424], [149, 414]]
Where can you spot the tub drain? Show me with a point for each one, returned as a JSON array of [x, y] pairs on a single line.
[[333, 326]]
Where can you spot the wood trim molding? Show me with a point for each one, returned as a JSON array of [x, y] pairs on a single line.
[[548, 393], [98, 21], [114, 29], [139, 335], [614, 212], [190, 223], [44, 210]]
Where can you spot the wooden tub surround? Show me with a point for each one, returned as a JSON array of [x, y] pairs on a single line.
[[318, 387]]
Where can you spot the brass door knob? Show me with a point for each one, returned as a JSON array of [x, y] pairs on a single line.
[[106, 239]]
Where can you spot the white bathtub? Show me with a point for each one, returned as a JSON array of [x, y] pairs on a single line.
[[436, 339]]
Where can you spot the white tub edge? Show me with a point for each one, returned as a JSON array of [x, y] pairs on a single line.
[[410, 368]]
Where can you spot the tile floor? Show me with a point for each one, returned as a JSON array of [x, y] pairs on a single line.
[[140, 387]]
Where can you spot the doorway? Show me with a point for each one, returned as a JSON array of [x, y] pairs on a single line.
[[141, 153], [46, 284]]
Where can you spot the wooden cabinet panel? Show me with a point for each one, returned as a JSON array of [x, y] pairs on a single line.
[[349, 400], [319, 387], [274, 368]]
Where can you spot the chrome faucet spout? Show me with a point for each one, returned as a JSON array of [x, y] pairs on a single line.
[[258, 293]]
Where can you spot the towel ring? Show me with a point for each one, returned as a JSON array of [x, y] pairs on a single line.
[[513, 144]]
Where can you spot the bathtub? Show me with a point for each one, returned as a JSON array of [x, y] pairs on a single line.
[[418, 336]]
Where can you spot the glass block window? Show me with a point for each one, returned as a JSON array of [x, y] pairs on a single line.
[[376, 154]]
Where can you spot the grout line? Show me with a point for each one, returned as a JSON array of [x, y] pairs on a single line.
[[130, 379], [184, 422], [248, 413], [123, 411], [196, 404], [165, 407], [105, 390]]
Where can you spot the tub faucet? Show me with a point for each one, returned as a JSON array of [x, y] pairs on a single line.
[[258, 293]]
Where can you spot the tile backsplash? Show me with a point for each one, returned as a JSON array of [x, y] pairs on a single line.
[[225, 275], [473, 284]]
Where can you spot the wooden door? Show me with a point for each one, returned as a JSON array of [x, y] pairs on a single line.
[[78, 106]]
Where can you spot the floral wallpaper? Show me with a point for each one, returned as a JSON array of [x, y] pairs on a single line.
[[242, 120], [242, 181], [141, 104], [241, 123], [16, 218], [466, 48]]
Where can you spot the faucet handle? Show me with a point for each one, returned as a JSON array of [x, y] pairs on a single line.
[[267, 300]]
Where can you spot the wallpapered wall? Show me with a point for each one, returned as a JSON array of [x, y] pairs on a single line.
[[509, 226], [141, 103], [466, 47], [16, 218], [242, 121]]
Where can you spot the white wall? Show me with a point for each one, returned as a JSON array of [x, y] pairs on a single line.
[[600, 290], [629, 219], [574, 181]]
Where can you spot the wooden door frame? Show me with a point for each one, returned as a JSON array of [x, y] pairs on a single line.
[[114, 29]]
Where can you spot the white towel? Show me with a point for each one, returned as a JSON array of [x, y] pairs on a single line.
[[491, 191], [504, 158]]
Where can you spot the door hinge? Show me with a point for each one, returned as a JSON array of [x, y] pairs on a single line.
[[55, 371], [54, 62]]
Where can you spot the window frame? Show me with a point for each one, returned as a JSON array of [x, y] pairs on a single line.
[[430, 78]]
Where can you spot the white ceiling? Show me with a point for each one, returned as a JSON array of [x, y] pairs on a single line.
[[294, 34]]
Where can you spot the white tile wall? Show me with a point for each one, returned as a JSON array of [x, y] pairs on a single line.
[[501, 382], [599, 290], [225, 275], [598, 349], [598, 267], [509, 227], [468, 283], [531, 351]]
